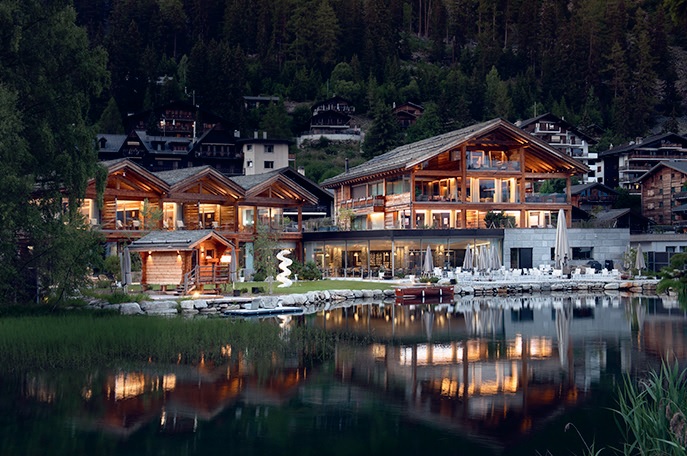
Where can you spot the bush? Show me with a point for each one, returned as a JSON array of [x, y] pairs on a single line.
[[310, 271], [423, 279], [111, 267], [434, 280], [259, 276]]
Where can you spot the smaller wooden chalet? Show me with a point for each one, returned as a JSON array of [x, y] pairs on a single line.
[[331, 116], [664, 194], [176, 135], [407, 113], [218, 148], [177, 119], [564, 137], [593, 196], [623, 165], [187, 260]]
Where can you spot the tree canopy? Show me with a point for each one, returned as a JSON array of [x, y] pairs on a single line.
[[475, 59], [49, 74]]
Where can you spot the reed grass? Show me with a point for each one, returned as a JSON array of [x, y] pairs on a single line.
[[76, 340], [651, 412]]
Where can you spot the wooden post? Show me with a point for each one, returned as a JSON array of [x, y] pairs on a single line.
[[300, 219]]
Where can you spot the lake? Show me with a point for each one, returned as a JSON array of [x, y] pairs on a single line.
[[488, 376]]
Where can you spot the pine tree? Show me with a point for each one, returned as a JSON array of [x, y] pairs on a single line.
[[111, 119], [384, 133], [497, 103]]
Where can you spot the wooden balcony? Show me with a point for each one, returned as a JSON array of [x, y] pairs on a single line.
[[376, 202]]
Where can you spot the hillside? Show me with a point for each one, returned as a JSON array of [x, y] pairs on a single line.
[[612, 63]]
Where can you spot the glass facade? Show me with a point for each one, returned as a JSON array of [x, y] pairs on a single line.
[[378, 258]]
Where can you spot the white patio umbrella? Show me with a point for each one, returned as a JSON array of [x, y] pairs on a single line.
[[125, 264], [563, 323], [467, 261], [495, 258], [562, 246], [483, 257], [429, 261], [639, 260]]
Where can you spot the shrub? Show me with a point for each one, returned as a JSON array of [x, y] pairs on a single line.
[[111, 267], [310, 271]]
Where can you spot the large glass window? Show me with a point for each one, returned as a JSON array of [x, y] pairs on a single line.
[[359, 191], [398, 186], [487, 188], [376, 188]]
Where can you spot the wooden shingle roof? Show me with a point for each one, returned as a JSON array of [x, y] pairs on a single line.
[[408, 155]]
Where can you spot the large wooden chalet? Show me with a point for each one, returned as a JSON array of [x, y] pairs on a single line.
[[454, 180], [137, 203]]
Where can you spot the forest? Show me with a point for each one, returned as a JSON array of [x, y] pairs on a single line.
[[609, 63], [72, 68]]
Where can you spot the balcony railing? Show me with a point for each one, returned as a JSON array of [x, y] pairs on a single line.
[[680, 195], [598, 199], [495, 166], [359, 203], [546, 198]]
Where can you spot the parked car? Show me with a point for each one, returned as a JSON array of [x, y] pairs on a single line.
[[594, 264]]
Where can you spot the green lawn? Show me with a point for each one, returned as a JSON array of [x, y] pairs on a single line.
[[319, 285], [299, 287]]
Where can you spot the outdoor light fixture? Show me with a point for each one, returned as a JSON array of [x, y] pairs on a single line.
[[226, 258]]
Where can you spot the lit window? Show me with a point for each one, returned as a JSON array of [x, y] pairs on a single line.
[[249, 164], [269, 164]]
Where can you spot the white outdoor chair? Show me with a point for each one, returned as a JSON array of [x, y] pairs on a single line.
[[119, 225], [180, 225]]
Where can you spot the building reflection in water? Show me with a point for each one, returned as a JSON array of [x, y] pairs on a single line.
[[488, 367]]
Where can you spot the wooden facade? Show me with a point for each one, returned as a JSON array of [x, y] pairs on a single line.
[[664, 194], [455, 180], [188, 260]]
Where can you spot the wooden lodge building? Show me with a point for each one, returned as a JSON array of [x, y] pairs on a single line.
[[448, 194], [154, 206], [454, 180]]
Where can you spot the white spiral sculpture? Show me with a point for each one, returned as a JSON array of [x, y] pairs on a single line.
[[283, 276]]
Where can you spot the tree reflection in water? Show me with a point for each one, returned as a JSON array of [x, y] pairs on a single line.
[[492, 375]]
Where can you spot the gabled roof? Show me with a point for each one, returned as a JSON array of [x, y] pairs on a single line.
[[334, 99], [112, 143], [647, 143], [218, 134], [555, 119], [176, 240], [206, 116], [182, 177], [610, 215], [409, 103], [679, 166], [581, 188], [406, 156], [258, 183], [122, 165]]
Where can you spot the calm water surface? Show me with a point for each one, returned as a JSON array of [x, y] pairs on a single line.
[[488, 376]]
